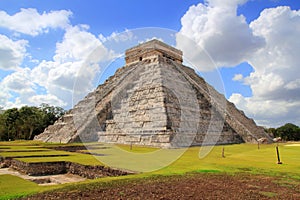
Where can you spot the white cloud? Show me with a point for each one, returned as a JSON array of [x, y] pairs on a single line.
[[11, 52], [47, 98], [276, 66], [40, 72], [16, 88], [238, 77], [17, 103], [225, 3], [220, 37], [212, 35], [76, 60], [29, 21], [118, 37], [74, 65], [292, 85], [275, 81], [270, 113], [19, 82], [79, 44], [4, 96]]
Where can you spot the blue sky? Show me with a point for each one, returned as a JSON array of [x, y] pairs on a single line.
[[254, 46]]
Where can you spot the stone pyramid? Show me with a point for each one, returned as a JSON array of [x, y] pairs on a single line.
[[154, 100]]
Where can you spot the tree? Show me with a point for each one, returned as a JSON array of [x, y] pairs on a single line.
[[1, 110], [11, 123], [51, 113], [31, 119], [28, 121], [288, 131], [271, 131], [3, 131]]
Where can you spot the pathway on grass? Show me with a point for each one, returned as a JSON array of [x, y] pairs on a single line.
[[45, 180]]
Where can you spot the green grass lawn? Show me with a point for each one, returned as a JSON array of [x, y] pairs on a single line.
[[12, 186], [241, 158], [33, 153], [73, 157], [152, 161], [42, 153]]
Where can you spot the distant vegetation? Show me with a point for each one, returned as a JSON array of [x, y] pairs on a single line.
[[28, 121], [288, 132]]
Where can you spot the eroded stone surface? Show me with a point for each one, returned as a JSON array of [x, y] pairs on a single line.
[[154, 100]]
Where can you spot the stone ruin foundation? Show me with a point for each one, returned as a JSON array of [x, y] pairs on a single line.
[[39, 171]]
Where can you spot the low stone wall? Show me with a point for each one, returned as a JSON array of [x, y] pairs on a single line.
[[40, 168], [62, 167], [4, 162], [92, 172]]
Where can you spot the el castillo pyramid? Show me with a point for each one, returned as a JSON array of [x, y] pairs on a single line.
[[154, 100]]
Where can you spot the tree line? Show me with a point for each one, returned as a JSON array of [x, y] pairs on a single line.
[[288, 132], [27, 121]]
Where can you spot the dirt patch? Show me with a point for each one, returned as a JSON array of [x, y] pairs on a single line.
[[69, 148], [94, 154], [81, 149], [196, 186], [24, 150], [78, 148], [36, 156]]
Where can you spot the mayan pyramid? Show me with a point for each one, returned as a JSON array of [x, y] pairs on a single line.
[[154, 100]]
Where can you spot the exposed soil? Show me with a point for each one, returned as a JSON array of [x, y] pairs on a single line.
[[69, 148], [192, 186], [77, 148], [80, 149], [27, 150], [36, 156]]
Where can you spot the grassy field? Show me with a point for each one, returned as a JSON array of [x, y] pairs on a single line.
[[152, 161]]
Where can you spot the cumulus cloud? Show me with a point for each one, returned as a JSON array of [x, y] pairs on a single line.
[[79, 44], [16, 88], [74, 65], [275, 81], [118, 37], [220, 37], [266, 112], [277, 64], [19, 82], [47, 98], [292, 85], [4, 96], [71, 71], [213, 35], [30, 22], [11, 52]]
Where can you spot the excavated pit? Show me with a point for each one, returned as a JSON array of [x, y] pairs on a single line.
[[46, 173]]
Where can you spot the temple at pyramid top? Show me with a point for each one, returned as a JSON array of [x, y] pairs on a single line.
[[152, 49]]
